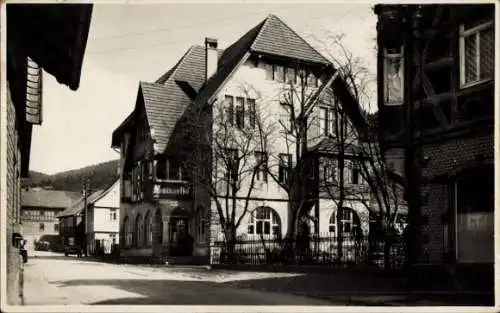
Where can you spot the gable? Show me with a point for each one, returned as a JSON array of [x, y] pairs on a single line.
[[111, 198], [277, 38]]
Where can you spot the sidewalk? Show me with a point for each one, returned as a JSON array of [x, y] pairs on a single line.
[[38, 291]]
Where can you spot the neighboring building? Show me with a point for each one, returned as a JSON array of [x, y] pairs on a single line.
[[39, 210], [451, 85], [160, 202], [31, 47], [103, 216]]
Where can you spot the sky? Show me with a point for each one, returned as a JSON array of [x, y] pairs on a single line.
[[129, 43]]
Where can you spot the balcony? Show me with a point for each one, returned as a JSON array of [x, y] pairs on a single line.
[[172, 189]]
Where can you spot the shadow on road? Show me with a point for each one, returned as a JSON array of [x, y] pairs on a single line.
[[298, 290], [175, 292]]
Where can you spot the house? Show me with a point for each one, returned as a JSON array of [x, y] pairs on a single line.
[[162, 200], [32, 47], [446, 84], [39, 210], [103, 215]]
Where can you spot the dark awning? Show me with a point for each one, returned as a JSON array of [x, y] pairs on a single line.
[[54, 36]]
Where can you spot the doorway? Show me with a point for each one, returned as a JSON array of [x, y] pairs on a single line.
[[180, 241]]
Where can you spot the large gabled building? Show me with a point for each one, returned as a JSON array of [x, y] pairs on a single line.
[[162, 205]]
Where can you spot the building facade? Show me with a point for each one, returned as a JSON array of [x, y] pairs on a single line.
[[30, 49], [39, 210], [436, 78], [165, 210], [93, 222], [104, 221]]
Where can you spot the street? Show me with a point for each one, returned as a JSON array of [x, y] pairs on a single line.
[[53, 279]]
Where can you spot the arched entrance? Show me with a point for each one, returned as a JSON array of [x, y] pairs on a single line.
[[180, 242], [158, 229]]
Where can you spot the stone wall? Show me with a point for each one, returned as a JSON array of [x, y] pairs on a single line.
[[13, 188]]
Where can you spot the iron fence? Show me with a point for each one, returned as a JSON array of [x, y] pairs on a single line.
[[316, 249]]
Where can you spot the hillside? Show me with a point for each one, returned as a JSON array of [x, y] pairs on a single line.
[[102, 175]]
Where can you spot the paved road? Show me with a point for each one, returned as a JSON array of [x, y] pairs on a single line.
[[54, 279]]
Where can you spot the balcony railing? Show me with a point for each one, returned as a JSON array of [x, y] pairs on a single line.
[[172, 189]]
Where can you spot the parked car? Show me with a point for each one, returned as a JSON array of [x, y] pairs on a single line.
[[42, 246], [73, 249]]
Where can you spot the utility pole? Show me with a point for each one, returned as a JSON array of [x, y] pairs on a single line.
[[85, 192], [412, 163]]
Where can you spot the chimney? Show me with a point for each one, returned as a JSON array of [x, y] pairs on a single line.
[[211, 57]]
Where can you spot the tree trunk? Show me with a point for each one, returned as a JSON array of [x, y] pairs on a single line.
[[230, 245], [387, 251]]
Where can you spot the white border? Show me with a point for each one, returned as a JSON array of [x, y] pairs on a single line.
[[138, 308]]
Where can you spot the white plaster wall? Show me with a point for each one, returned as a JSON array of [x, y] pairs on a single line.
[[111, 199], [103, 221]]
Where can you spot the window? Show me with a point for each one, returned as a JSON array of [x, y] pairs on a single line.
[[240, 112], [174, 171], [473, 200], [330, 171], [229, 105], [393, 80], [347, 220], [355, 175], [251, 112], [332, 224], [231, 159], [279, 73], [324, 121], [42, 213], [269, 71], [56, 227], [476, 52], [42, 227], [285, 117], [290, 75], [285, 163], [261, 161], [264, 221], [348, 172], [112, 215], [312, 81]]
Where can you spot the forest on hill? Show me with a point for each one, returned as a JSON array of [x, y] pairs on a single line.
[[101, 176]]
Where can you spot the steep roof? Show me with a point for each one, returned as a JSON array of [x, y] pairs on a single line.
[[167, 98], [38, 197], [271, 37], [78, 205]]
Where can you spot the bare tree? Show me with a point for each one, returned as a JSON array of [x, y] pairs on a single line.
[[292, 169], [360, 144], [226, 156]]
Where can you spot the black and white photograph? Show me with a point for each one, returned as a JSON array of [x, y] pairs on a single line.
[[248, 156]]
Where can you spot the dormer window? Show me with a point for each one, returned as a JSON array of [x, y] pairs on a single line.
[[393, 78], [476, 52]]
